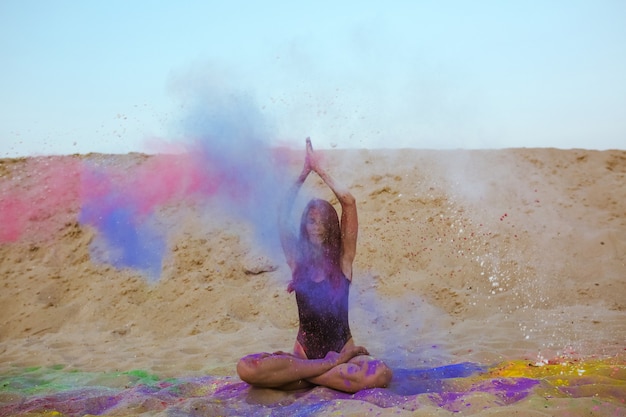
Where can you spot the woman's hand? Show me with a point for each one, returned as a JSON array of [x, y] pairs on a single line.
[[350, 352], [347, 353], [311, 160], [307, 168]]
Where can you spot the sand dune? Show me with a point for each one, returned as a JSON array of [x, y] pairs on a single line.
[[479, 256]]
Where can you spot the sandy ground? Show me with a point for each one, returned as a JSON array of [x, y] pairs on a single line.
[[480, 256]]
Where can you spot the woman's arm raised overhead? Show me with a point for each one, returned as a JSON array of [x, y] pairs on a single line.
[[288, 239], [349, 216]]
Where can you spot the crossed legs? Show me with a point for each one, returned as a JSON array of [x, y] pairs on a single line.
[[350, 370]]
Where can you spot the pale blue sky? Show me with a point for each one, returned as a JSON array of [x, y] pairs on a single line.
[[105, 76]]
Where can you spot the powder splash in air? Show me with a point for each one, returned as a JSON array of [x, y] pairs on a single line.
[[38, 197], [227, 163]]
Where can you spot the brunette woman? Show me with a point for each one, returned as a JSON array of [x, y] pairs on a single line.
[[320, 258]]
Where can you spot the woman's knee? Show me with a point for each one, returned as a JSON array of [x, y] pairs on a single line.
[[247, 369], [377, 375], [385, 374]]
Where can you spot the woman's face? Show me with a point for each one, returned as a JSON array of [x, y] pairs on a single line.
[[315, 227]]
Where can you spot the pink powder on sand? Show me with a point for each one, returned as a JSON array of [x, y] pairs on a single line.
[[12, 219], [38, 197]]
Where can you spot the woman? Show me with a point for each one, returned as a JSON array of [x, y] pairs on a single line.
[[321, 264]]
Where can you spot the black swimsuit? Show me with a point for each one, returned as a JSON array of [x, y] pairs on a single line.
[[323, 311]]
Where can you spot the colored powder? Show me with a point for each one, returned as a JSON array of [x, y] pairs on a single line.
[[452, 388], [228, 164], [231, 146], [418, 381], [39, 196], [126, 237], [564, 369], [12, 218]]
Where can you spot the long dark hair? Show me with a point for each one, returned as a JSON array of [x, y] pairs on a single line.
[[328, 259]]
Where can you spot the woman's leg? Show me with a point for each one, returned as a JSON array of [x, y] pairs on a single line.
[[361, 372], [276, 370], [284, 370]]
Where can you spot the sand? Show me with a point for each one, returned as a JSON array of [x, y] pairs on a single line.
[[463, 256]]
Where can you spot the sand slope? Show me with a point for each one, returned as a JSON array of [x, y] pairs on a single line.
[[479, 256]]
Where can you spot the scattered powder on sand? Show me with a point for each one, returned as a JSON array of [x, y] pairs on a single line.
[[463, 256]]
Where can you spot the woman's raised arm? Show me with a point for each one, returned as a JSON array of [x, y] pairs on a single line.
[[349, 217], [287, 238]]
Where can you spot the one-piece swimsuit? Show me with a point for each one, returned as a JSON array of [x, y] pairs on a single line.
[[323, 313]]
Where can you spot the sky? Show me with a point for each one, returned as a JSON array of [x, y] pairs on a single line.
[[119, 76]]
